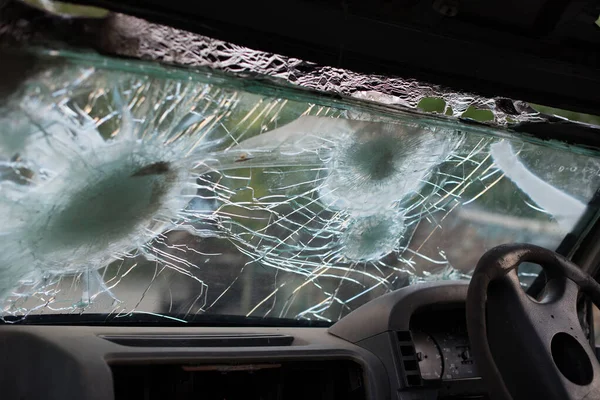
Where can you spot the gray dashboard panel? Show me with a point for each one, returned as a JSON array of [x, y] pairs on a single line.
[[72, 362], [392, 311], [374, 326]]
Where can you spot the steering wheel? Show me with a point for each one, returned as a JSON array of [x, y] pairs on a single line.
[[527, 348]]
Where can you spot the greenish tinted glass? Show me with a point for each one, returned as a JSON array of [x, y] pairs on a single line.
[[128, 186]]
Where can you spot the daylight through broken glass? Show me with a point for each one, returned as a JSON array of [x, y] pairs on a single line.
[[128, 188]]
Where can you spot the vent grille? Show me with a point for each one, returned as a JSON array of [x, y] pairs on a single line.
[[408, 359], [238, 340]]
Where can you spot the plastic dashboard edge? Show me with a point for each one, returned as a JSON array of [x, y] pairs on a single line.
[[392, 312], [65, 362]]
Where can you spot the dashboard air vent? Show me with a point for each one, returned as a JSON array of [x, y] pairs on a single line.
[[408, 359]]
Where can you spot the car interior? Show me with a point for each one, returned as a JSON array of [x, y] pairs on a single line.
[[426, 297]]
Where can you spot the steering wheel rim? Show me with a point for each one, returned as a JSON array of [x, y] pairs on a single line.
[[495, 265]]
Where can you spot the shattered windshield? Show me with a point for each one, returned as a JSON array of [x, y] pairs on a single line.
[[135, 188]]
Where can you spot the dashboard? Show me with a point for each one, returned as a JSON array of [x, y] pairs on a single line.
[[420, 334], [409, 344]]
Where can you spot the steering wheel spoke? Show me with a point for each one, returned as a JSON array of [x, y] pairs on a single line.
[[531, 348], [556, 310]]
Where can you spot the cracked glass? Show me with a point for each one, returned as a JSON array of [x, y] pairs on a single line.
[[126, 187]]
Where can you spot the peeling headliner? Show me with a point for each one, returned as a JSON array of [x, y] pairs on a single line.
[[543, 53]]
